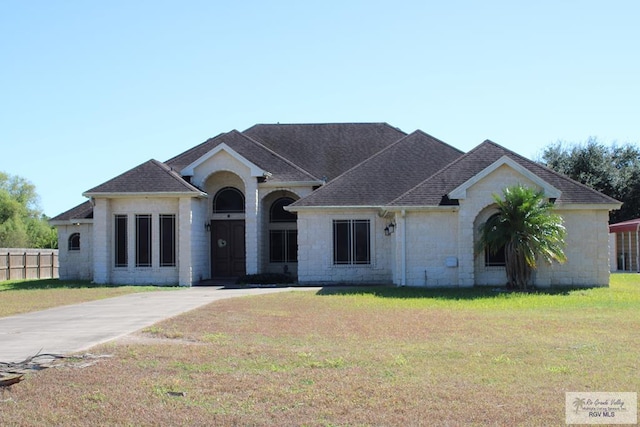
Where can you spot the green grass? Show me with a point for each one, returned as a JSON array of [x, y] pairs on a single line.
[[623, 293], [355, 357], [22, 296]]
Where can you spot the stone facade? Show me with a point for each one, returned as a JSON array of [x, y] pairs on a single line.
[[315, 249], [75, 264], [422, 223]]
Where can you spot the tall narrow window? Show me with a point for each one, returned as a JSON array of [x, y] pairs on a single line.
[[283, 236], [351, 241], [143, 240], [74, 242], [120, 241], [496, 259], [167, 240]]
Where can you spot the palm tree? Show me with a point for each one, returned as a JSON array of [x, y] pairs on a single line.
[[526, 229]]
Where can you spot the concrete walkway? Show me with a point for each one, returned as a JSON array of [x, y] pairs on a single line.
[[77, 327]]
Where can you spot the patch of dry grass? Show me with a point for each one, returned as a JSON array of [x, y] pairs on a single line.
[[32, 295], [352, 359]]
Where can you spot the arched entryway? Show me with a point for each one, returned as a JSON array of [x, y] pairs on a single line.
[[489, 269], [280, 237], [228, 254]]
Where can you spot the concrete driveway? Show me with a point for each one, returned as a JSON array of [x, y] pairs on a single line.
[[77, 327]]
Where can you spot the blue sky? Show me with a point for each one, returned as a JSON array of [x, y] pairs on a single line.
[[90, 89]]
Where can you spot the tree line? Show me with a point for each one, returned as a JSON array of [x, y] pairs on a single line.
[[611, 169], [22, 223]]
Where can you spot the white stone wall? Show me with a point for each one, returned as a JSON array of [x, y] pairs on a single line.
[[75, 265], [103, 238], [587, 251], [431, 241], [478, 199], [200, 240], [587, 239], [613, 253], [102, 241], [315, 250]]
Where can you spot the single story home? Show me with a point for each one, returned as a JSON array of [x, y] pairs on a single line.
[[327, 204], [625, 245]]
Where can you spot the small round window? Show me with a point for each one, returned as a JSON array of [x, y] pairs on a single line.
[[228, 200]]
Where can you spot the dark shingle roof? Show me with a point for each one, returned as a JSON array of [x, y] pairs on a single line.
[[325, 150], [434, 190], [386, 175], [149, 177], [280, 168], [82, 211]]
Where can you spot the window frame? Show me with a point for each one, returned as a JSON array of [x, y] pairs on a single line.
[[288, 242], [73, 243], [497, 259], [220, 193], [121, 237], [144, 240], [167, 258], [350, 246]]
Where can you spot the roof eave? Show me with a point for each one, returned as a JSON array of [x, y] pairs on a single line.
[[327, 208], [587, 206], [291, 183], [71, 221], [439, 208], [130, 195]]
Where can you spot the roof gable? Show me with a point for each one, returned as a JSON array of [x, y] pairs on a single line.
[[149, 177], [435, 191], [250, 152], [80, 213], [460, 192], [255, 170], [387, 174]]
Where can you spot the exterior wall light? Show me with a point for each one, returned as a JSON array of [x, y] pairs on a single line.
[[389, 229]]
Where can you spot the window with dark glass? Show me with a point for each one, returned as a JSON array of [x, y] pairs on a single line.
[[228, 200], [496, 259], [74, 242], [351, 241], [167, 240], [143, 240], [283, 245], [277, 212], [283, 238], [120, 241]]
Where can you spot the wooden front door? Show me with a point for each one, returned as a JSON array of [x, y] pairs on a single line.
[[227, 248]]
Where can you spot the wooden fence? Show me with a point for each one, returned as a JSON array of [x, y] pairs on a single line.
[[17, 264]]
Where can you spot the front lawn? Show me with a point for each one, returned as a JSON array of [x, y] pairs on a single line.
[[365, 356], [22, 296]]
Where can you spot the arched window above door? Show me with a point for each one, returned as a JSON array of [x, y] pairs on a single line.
[[228, 200]]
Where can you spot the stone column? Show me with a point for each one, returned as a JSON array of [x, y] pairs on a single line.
[[252, 201], [185, 226], [102, 241]]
